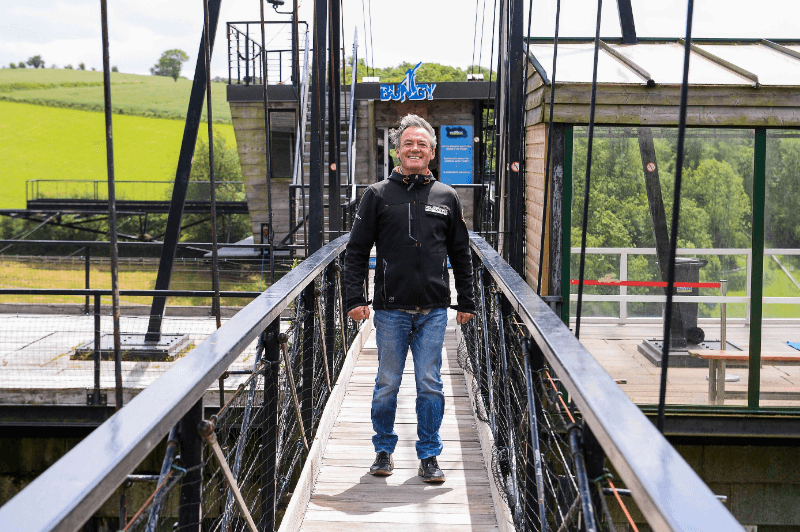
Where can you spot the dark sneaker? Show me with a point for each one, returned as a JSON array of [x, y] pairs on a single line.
[[383, 465], [429, 470]]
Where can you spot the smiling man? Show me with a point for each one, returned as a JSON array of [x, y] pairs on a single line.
[[416, 223]]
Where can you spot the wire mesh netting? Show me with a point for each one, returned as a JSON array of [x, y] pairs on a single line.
[[491, 352], [263, 430]]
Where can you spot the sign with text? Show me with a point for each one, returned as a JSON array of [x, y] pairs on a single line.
[[455, 145], [408, 89]]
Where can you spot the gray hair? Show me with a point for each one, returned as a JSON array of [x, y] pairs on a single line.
[[411, 121]]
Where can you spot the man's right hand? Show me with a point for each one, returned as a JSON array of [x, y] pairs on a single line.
[[359, 313]]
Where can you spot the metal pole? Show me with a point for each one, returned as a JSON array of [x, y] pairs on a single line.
[[723, 316], [575, 435], [166, 467], [268, 150], [112, 205], [534, 424], [190, 509], [334, 125], [269, 422], [210, 119], [173, 229], [308, 360], [97, 349], [487, 352], [87, 262], [293, 389], [316, 173]]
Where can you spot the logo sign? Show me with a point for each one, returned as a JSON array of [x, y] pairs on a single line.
[[408, 89], [456, 154]]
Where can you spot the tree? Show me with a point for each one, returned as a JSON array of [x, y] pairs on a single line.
[[114, 69], [170, 64], [36, 61], [21, 65], [81, 66], [68, 67], [12, 65]]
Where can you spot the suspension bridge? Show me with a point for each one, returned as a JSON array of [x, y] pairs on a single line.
[[258, 419]]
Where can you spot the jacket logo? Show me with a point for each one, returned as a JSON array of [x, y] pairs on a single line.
[[437, 209]]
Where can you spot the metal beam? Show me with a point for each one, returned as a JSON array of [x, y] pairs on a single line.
[[781, 48], [722, 62], [641, 72], [626, 22], [757, 268], [516, 135], [334, 122], [182, 177], [316, 170]]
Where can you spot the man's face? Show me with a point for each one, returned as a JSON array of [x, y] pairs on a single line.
[[415, 151]]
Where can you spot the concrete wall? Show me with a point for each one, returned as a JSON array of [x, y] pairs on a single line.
[[248, 125]]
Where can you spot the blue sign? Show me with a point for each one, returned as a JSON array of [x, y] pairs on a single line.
[[408, 89], [455, 155]]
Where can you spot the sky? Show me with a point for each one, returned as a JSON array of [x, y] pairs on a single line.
[[442, 31]]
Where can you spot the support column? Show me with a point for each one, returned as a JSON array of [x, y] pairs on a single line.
[[316, 172], [334, 126], [173, 231]]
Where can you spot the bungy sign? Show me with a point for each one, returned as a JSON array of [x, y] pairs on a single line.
[[408, 89]]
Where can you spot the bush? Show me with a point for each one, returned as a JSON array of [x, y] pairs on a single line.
[[68, 67]]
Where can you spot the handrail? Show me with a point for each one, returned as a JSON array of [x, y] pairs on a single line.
[[301, 126], [668, 492], [76, 486]]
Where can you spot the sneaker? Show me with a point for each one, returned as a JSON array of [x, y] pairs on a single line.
[[383, 465], [429, 470]]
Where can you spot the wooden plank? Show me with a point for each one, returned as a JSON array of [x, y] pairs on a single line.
[[432, 517], [361, 505], [324, 526]]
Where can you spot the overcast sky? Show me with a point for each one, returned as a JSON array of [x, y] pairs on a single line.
[[442, 31]]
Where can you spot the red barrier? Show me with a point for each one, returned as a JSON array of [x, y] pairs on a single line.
[[658, 284]]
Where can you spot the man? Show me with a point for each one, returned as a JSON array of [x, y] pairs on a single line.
[[416, 224]]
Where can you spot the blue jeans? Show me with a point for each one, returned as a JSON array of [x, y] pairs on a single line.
[[395, 331]]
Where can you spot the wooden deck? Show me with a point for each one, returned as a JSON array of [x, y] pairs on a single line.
[[346, 497]]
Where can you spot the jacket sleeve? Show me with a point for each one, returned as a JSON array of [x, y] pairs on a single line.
[[362, 237], [461, 259]]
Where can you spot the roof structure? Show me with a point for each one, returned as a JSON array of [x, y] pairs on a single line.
[[759, 77]]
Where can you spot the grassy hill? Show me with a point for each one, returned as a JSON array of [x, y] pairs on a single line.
[[131, 94], [38, 142]]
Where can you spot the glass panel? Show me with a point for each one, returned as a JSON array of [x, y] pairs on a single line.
[[622, 314], [771, 66], [781, 283], [575, 64]]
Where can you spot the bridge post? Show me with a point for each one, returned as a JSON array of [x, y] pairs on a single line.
[[307, 408], [269, 422], [330, 320], [190, 508]]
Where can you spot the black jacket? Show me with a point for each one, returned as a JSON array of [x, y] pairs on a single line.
[[415, 223]]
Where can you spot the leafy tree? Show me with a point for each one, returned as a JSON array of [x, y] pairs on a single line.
[[12, 65], [81, 66], [20, 65], [114, 69], [68, 67], [36, 61], [170, 64]]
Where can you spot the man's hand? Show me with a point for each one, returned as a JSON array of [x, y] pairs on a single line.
[[359, 313], [463, 317]]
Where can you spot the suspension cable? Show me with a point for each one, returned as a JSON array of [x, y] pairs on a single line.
[[371, 45], [364, 20], [480, 47], [676, 211], [587, 183], [547, 161], [494, 119]]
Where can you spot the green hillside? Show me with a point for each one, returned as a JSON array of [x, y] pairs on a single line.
[[38, 142], [131, 94]]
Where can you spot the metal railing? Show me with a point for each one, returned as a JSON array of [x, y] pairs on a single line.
[[245, 64], [554, 415], [97, 190], [265, 428], [624, 298]]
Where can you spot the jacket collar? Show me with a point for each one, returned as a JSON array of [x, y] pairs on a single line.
[[411, 180]]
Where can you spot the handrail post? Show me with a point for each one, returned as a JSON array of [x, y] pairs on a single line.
[[269, 420], [576, 444], [97, 351], [483, 278], [534, 480], [330, 318], [309, 318], [87, 261], [623, 290], [190, 506]]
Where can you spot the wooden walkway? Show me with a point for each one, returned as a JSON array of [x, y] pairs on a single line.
[[346, 497]]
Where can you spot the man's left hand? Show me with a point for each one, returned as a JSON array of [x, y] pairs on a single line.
[[463, 317]]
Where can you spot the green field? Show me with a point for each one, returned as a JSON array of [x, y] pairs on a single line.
[[131, 94], [38, 142]]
